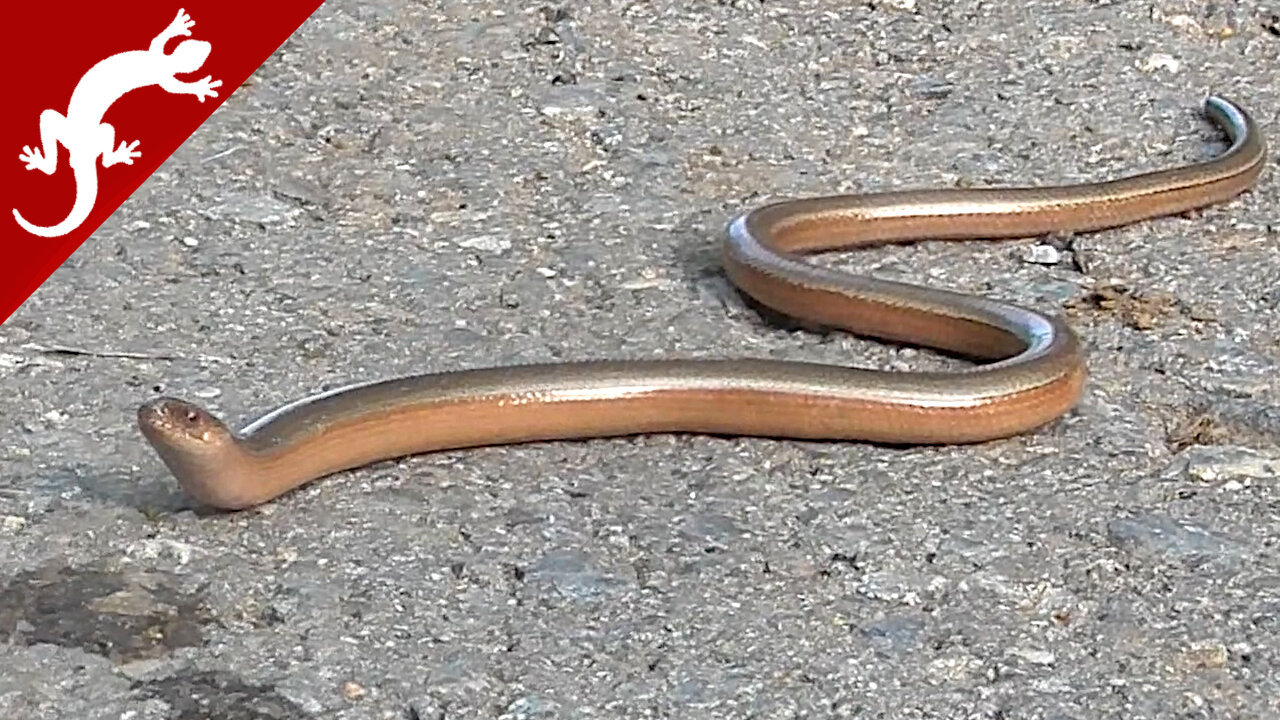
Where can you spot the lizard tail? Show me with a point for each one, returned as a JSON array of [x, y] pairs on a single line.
[[86, 195]]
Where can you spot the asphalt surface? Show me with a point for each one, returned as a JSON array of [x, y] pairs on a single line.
[[410, 187]]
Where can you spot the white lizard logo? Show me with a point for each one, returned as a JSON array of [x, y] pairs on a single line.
[[84, 134]]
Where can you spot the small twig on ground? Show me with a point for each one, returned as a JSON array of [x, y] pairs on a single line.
[[87, 352]]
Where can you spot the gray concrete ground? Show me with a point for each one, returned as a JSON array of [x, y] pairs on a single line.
[[426, 186]]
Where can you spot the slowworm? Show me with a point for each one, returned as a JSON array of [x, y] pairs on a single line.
[[1028, 368]]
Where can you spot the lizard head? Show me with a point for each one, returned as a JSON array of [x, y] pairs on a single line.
[[203, 454], [189, 55]]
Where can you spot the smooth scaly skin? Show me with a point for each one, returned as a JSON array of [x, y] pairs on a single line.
[[1037, 374]]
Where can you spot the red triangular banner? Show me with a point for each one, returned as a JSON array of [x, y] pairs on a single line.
[[98, 96]]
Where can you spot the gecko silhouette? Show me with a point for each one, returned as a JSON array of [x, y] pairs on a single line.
[[82, 131]]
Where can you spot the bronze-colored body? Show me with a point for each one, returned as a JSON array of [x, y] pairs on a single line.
[[1036, 370]]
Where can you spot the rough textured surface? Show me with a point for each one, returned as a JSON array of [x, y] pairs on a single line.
[[447, 184]]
